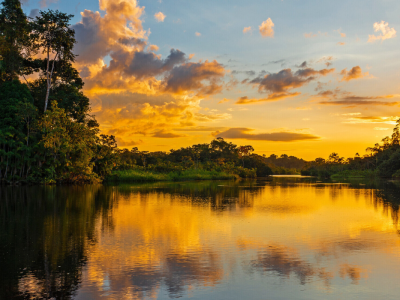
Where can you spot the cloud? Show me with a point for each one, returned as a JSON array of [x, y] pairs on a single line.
[[278, 85], [135, 92], [45, 3], [327, 60], [282, 62], [313, 35], [146, 64], [270, 98], [246, 29], [381, 128], [266, 28], [198, 34], [245, 133], [386, 32], [334, 98], [248, 73], [302, 65], [224, 101], [159, 16], [211, 117], [351, 114], [373, 120], [354, 73], [191, 77], [155, 48], [200, 129], [128, 142], [341, 43], [33, 13], [343, 35], [120, 29], [166, 135]]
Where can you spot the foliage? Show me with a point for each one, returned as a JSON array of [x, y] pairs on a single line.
[[15, 43], [142, 175]]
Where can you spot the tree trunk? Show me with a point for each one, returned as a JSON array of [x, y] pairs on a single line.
[[49, 77]]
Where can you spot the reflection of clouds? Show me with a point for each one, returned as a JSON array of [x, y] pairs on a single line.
[[174, 271], [285, 262], [203, 268], [355, 273]]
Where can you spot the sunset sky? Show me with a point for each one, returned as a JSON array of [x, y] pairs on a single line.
[[300, 77]]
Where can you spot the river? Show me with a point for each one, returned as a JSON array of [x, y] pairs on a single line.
[[289, 238]]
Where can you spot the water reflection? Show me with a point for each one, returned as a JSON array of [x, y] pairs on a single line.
[[170, 240]]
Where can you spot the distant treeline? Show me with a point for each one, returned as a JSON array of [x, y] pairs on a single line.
[[218, 156], [382, 160]]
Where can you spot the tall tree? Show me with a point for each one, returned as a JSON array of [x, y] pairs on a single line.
[[54, 37]]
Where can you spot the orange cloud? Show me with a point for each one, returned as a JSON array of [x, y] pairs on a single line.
[[166, 135], [313, 35], [271, 97], [198, 34], [247, 29], [352, 101], [267, 28], [354, 73], [154, 48], [245, 133], [386, 32], [160, 17], [327, 60], [341, 43], [373, 120], [342, 34], [223, 101]]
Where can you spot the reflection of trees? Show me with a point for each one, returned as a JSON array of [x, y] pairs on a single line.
[[388, 195], [219, 195], [44, 232]]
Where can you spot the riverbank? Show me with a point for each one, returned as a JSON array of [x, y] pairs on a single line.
[[355, 174], [128, 176]]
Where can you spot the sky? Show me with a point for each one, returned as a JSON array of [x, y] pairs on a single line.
[[297, 77]]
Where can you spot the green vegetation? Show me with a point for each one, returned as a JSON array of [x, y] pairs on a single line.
[[285, 165], [140, 175], [217, 160]]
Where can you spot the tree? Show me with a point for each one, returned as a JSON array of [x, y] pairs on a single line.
[[27, 112], [70, 147], [245, 151], [53, 36], [15, 41]]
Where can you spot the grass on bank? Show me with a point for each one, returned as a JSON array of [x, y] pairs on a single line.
[[147, 176], [349, 174]]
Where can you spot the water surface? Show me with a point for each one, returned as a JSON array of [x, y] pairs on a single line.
[[290, 238]]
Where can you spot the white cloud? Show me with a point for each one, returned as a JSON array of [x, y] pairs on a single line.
[[387, 32], [159, 16], [381, 128], [266, 28]]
